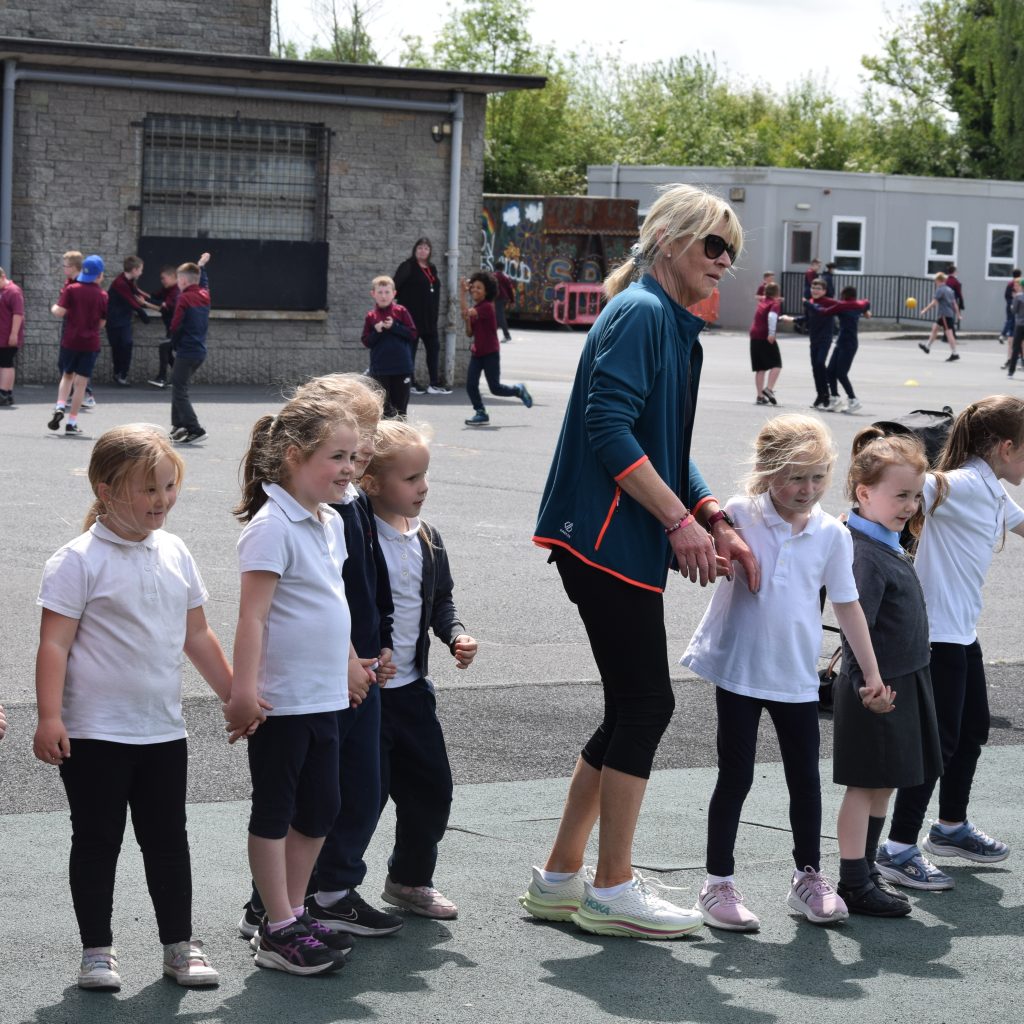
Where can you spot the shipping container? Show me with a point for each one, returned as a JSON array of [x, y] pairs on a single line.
[[544, 241]]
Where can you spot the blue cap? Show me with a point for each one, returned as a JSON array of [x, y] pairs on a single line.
[[92, 268]]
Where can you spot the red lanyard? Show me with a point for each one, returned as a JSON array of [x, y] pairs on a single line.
[[432, 278]]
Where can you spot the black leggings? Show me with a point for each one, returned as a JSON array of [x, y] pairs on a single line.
[[102, 781], [396, 392], [961, 707], [626, 628], [839, 369], [1015, 348], [796, 726], [432, 350]]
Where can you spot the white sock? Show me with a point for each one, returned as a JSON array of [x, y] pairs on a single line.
[[325, 898], [553, 877], [947, 830], [892, 848], [612, 891], [72, 420], [719, 879]]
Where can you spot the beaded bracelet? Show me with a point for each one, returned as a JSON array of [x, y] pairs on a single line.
[[685, 521]]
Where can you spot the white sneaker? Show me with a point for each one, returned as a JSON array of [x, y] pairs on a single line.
[[835, 403], [438, 389], [852, 405], [721, 903], [638, 912], [99, 968], [88, 402], [189, 965], [555, 901]]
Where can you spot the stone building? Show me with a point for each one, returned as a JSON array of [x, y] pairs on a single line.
[[128, 131]]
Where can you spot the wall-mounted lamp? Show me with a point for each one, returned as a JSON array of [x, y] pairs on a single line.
[[441, 131], [803, 206]]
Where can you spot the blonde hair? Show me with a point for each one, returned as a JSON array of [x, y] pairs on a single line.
[[122, 453], [191, 271], [940, 277], [361, 396], [393, 438], [873, 452], [787, 442], [680, 211], [303, 424], [382, 279], [74, 257]]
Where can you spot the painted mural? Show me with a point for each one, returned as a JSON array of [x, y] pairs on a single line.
[[543, 241]]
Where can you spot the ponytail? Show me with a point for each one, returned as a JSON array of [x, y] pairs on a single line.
[[252, 479]]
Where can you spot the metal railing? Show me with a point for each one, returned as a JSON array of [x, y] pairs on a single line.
[[888, 294]]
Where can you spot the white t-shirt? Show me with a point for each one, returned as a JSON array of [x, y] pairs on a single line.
[[131, 599], [767, 645], [304, 666], [404, 557], [957, 545]]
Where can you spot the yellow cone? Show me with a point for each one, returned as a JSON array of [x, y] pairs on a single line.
[[911, 383]]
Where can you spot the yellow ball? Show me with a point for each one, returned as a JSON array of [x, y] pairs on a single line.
[[911, 302]]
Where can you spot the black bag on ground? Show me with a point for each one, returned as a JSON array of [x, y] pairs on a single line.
[[930, 426]]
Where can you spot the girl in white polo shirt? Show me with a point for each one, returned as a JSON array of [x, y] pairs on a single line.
[[413, 757], [761, 652], [294, 661], [969, 513], [120, 604]]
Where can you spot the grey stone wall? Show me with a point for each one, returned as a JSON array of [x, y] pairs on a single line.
[[225, 26], [78, 174]]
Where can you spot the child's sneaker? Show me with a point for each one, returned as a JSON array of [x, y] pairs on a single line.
[[99, 968], [189, 965], [72, 430], [177, 433], [352, 914], [89, 402], [911, 869], [835, 403], [721, 903], [157, 382], [968, 842], [192, 436], [340, 943], [524, 396], [812, 895], [638, 912], [424, 900], [58, 415], [478, 419], [295, 951], [872, 901], [249, 922], [555, 901], [852, 405]]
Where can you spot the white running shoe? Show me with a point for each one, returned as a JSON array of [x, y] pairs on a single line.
[[721, 903], [638, 912], [438, 389], [99, 968], [835, 403], [852, 405], [555, 901], [189, 965]]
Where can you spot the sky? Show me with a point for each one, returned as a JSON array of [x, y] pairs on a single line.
[[773, 42]]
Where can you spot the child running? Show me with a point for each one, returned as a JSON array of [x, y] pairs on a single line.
[[120, 603], [761, 652], [291, 554], [879, 747], [414, 760], [843, 354], [765, 356], [945, 318], [968, 514]]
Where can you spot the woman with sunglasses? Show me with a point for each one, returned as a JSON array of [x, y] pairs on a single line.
[[623, 503]]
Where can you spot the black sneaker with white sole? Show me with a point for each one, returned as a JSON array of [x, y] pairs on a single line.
[[58, 415], [249, 922], [354, 915], [192, 436]]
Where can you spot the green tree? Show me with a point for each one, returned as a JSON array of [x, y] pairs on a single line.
[[348, 39]]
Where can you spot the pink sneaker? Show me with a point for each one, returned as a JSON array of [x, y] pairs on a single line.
[[812, 895], [420, 899], [721, 903]]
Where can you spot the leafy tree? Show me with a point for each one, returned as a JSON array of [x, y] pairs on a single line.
[[348, 41]]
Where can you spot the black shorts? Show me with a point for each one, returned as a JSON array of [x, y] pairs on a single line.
[[946, 323], [81, 363], [8, 356], [764, 355], [293, 761]]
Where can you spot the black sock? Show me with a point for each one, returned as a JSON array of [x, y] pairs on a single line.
[[875, 826], [853, 874]]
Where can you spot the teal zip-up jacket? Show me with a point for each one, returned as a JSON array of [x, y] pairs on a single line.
[[632, 401]]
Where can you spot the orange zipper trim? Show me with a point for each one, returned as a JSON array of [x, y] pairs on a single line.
[[608, 518]]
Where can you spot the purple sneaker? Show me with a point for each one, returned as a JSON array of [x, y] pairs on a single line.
[[295, 951], [721, 903], [812, 895]]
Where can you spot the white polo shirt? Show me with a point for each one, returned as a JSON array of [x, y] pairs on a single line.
[[957, 545], [131, 599], [767, 644], [404, 557], [304, 666]]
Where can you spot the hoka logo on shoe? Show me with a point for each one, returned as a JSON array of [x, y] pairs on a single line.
[[567, 529], [601, 908]]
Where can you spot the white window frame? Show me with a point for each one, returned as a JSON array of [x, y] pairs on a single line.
[[988, 249], [844, 253], [934, 257]]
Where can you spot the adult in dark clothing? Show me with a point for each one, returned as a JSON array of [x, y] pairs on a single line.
[[506, 297], [418, 288]]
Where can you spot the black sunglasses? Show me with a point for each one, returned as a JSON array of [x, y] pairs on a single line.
[[715, 245]]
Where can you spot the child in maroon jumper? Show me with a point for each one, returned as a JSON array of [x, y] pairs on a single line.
[[482, 326], [390, 335], [765, 356]]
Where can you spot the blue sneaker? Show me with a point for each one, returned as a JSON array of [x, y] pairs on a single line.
[[524, 396], [911, 869], [968, 842], [478, 419]]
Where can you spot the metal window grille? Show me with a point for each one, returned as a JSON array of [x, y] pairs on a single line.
[[212, 177]]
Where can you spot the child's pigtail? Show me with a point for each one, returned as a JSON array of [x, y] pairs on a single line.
[[252, 471]]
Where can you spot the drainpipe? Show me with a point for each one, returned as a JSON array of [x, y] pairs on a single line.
[[454, 204], [7, 165]]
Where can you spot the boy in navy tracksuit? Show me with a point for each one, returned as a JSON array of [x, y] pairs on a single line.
[[167, 297], [189, 327], [819, 312], [390, 335], [125, 299]]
